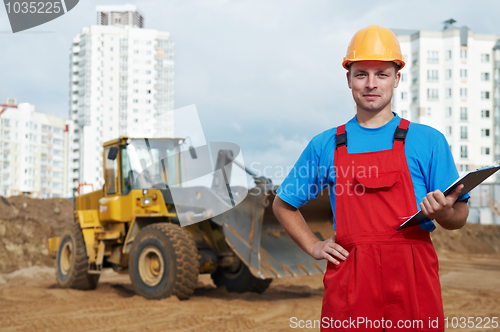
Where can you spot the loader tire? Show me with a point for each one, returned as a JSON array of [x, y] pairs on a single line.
[[163, 261], [72, 261], [240, 281]]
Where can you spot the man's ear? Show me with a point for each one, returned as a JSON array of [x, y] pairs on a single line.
[[348, 74], [398, 77]]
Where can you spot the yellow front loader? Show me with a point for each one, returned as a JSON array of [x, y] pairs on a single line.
[[132, 226]]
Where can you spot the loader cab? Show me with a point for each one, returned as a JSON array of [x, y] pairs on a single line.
[[141, 163]]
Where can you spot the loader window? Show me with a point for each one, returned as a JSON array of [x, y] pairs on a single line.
[[150, 163], [111, 174], [127, 173]]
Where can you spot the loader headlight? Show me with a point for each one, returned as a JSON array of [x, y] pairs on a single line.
[[144, 191], [146, 200]]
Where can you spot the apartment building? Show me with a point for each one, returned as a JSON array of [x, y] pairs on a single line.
[[121, 78], [452, 82], [32, 153]]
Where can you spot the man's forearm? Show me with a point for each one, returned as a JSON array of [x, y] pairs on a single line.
[[294, 224], [458, 218]]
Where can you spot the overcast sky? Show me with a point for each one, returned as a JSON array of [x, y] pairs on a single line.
[[264, 74]]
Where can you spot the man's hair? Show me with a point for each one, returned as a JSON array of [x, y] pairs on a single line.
[[396, 67]]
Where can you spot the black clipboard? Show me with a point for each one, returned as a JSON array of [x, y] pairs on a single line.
[[470, 180]]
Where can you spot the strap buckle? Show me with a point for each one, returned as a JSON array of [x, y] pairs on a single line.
[[341, 139], [400, 134]]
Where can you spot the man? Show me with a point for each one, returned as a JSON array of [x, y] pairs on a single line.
[[377, 166]]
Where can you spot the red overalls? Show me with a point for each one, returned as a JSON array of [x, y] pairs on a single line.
[[389, 275]]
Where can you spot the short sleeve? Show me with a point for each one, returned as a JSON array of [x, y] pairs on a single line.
[[303, 182], [442, 173]]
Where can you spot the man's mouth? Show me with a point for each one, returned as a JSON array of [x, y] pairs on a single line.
[[371, 96]]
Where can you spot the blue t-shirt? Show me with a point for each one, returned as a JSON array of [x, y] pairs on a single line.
[[427, 152]]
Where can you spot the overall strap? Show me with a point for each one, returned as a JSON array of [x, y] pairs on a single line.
[[341, 140], [400, 134]]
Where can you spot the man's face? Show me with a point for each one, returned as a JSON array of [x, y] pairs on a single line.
[[372, 84]]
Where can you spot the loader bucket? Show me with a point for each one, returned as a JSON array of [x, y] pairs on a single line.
[[255, 235]]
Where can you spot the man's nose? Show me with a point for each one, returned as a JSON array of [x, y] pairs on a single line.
[[371, 82]]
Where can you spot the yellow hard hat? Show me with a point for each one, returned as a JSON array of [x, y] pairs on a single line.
[[374, 43]]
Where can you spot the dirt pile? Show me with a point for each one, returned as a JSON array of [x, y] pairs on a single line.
[[471, 239], [25, 226]]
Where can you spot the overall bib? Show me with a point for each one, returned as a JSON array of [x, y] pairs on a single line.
[[390, 279]]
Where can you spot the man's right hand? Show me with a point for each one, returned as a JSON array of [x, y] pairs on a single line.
[[328, 249]]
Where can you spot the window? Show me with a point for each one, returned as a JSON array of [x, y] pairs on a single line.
[[485, 113], [447, 55], [403, 77], [463, 54], [448, 112], [485, 57], [485, 95], [485, 151], [463, 92], [448, 93], [463, 151], [485, 132], [136, 91], [447, 74], [404, 95], [136, 51], [463, 132], [432, 75], [414, 95], [485, 77], [463, 73], [110, 173], [432, 56], [404, 113], [414, 56], [136, 101], [432, 94], [448, 130], [148, 72], [428, 111], [463, 113]]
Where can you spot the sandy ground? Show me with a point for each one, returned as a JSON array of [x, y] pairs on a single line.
[[30, 301]]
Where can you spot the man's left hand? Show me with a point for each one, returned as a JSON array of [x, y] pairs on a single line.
[[438, 206]]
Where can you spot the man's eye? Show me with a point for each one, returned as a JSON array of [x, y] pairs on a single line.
[[360, 75]]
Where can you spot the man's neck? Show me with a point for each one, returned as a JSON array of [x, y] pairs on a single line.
[[374, 119]]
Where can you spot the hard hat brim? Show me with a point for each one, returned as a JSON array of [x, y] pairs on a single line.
[[346, 63]]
